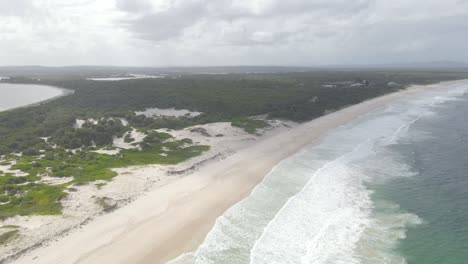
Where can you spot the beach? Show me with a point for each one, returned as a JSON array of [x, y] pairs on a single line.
[[174, 218]]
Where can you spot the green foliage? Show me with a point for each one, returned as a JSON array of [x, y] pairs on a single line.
[[297, 96], [128, 138], [31, 199], [154, 138], [187, 141], [26, 197], [9, 226], [8, 236], [4, 199], [100, 134], [249, 125], [201, 131], [106, 204]]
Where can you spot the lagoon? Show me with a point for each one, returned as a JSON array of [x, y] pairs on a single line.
[[18, 95]]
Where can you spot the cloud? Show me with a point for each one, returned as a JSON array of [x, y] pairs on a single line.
[[163, 24], [133, 6], [16, 8], [228, 32], [266, 16]]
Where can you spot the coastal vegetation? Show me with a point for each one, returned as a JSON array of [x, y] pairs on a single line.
[[46, 140], [249, 125], [27, 195], [294, 96], [7, 236]]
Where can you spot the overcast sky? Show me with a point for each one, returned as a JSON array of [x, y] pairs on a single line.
[[231, 32]]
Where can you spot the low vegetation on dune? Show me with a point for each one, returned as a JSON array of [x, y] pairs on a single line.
[[8, 236], [27, 195], [294, 96], [249, 125], [46, 141]]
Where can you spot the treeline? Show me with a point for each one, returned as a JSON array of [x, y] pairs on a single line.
[[282, 94], [296, 96]]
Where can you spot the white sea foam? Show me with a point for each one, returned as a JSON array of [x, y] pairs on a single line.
[[310, 224], [316, 206]]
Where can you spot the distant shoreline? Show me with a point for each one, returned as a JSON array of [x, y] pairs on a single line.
[[175, 218], [64, 92]]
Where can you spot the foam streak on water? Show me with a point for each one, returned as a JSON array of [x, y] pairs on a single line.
[[330, 221], [317, 206]]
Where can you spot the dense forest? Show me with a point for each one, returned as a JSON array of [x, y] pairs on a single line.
[[295, 96], [51, 143]]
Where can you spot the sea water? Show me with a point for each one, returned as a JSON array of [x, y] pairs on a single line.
[[390, 187], [17, 95]]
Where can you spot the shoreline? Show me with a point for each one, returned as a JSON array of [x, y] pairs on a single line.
[[63, 92], [184, 210]]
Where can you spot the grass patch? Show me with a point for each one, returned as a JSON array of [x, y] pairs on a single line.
[[201, 131], [32, 199], [106, 203], [4, 198], [249, 125], [9, 226], [8, 236], [25, 196], [100, 185]]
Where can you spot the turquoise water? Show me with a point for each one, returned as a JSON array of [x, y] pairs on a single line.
[[390, 187], [17, 95]]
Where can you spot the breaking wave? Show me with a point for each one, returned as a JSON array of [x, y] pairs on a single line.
[[318, 206]]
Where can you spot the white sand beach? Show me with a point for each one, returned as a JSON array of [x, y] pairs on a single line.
[[173, 214]]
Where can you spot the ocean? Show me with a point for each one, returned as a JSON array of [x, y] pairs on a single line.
[[389, 187], [17, 95]]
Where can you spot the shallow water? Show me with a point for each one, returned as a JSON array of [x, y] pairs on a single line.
[[390, 187], [131, 77], [17, 95]]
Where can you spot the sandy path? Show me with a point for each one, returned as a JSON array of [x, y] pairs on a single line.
[[174, 219]]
